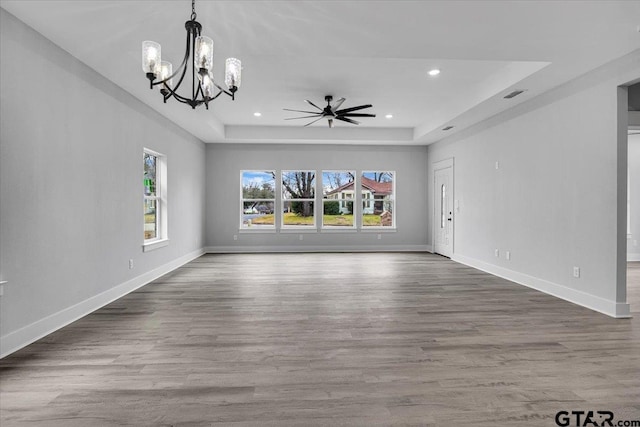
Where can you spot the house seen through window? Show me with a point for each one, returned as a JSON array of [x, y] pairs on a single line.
[[377, 199], [338, 198]]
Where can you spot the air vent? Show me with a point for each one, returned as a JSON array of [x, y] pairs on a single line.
[[448, 128], [513, 94]]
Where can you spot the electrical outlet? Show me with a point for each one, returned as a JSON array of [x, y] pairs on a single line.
[[507, 255], [379, 236], [576, 272], [497, 165], [301, 237], [497, 253], [235, 237], [130, 264]]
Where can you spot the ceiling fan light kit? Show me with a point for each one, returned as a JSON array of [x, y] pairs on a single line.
[[332, 112], [198, 52]]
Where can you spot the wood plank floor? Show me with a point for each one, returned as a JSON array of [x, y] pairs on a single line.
[[326, 340]]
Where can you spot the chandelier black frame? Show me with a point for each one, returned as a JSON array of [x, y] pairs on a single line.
[[200, 49]]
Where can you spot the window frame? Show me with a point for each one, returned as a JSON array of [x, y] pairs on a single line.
[[340, 228], [162, 238], [276, 187], [392, 200], [299, 228]]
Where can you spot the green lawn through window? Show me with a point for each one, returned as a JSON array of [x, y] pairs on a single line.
[[328, 220]]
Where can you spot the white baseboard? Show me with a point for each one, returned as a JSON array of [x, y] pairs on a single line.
[[24, 336], [633, 257], [312, 249], [602, 305]]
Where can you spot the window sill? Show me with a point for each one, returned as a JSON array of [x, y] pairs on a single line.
[[339, 230], [257, 230], [378, 230], [156, 244], [299, 230]]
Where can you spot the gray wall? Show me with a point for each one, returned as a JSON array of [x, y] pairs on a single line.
[[225, 161], [71, 187], [553, 201], [633, 243]]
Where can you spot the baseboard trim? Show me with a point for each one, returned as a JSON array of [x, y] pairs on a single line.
[[601, 305], [633, 257], [315, 249], [26, 335]]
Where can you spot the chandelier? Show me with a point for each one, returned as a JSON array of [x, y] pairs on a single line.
[[203, 87]]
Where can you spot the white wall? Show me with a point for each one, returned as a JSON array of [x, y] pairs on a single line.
[[553, 201], [225, 161], [71, 188], [633, 243]]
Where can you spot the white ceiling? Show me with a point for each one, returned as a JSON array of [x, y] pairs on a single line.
[[370, 52]]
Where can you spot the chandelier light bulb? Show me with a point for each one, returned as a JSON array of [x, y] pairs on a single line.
[[233, 73], [166, 70], [207, 85], [151, 57], [204, 53]]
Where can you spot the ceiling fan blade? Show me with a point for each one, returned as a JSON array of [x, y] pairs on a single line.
[[344, 119], [330, 123], [357, 115], [313, 122], [301, 111], [311, 103], [346, 110], [304, 117], [337, 104]]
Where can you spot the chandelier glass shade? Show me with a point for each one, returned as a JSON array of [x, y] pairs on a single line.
[[199, 56]]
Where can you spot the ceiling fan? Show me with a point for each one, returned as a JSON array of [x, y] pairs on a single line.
[[331, 112]]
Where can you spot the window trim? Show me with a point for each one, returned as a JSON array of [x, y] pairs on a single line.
[[283, 200], [261, 228], [379, 228], [162, 222], [340, 228]]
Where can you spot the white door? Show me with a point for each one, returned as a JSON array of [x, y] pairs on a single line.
[[443, 215]]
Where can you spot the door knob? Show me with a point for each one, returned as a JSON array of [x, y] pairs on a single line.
[[448, 219]]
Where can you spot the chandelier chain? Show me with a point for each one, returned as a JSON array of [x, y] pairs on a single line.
[[193, 10]]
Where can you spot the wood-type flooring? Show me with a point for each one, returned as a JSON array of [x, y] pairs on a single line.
[[344, 339]]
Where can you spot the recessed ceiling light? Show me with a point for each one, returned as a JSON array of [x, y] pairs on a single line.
[[257, 114], [434, 72], [389, 116]]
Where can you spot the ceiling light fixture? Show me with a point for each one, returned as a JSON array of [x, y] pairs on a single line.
[[389, 116], [434, 72], [199, 52], [257, 114]]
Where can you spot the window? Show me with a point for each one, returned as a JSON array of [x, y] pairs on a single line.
[[338, 197], [378, 199], [155, 199], [298, 194], [258, 200]]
